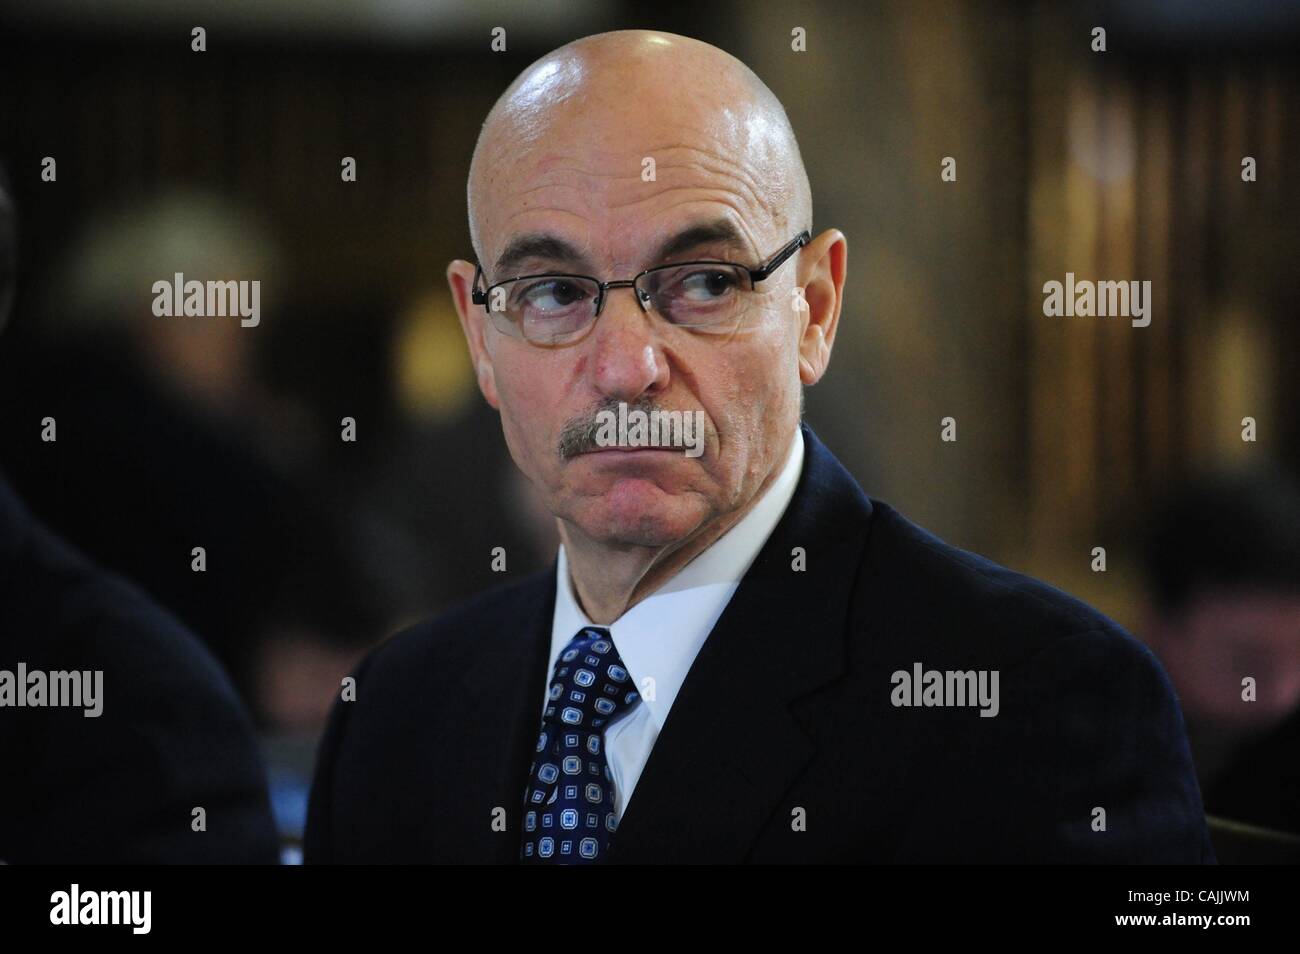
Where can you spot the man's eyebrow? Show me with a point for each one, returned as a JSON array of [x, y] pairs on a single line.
[[552, 248], [541, 245], [702, 233]]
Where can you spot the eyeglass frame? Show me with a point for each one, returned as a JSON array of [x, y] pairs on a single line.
[[756, 275]]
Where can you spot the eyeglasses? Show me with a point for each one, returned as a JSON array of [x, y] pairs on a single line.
[[554, 309]]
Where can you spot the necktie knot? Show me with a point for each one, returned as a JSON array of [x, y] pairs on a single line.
[[590, 687]]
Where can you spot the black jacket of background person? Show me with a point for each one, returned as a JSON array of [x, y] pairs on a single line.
[[172, 736], [787, 707]]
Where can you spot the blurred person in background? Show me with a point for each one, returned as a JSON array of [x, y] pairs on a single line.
[[167, 769], [1223, 560], [170, 439]]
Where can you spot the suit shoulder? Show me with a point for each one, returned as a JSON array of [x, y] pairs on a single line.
[[491, 622], [170, 729], [950, 591], [62, 605]]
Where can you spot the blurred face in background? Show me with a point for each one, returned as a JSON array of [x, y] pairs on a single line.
[[564, 156], [1221, 635]]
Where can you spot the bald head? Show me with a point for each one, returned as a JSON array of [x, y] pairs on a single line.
[[574, 131]]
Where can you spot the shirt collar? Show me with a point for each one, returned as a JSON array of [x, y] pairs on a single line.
[[659, 637]]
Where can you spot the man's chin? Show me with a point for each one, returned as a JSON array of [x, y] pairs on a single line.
[[638, 512]]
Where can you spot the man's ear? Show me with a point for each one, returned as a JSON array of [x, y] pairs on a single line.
[[460, 276], [822, 264]]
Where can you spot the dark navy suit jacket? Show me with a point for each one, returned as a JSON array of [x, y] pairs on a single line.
[[172, 735], [784, 744]]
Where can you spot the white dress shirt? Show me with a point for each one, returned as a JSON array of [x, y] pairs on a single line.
[[659, 638]]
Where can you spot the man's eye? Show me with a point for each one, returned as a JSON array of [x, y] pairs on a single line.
[[552, 294], [706, 285]]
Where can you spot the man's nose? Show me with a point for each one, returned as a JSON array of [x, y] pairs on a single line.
[[627, 361]]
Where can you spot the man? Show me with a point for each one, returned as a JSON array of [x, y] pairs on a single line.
[[1223, 555], [718, 666], [154, 761]]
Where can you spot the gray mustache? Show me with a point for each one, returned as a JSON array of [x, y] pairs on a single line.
[[578, 436]]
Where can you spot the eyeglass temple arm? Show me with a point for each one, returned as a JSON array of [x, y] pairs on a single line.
[[798, 242], [475, 295]]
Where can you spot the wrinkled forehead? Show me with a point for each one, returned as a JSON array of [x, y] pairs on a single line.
[[619, 175]]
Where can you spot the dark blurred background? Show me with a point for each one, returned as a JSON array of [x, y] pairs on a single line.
[[1072, 433]]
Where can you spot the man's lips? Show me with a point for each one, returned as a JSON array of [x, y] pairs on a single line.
[[635, 450]]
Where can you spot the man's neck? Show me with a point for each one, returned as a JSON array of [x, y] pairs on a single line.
[[609, 580]]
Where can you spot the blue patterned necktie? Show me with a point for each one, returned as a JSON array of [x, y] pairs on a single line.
[[569, 802]]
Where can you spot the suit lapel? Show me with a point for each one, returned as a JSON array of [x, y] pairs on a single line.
[[731, 747], [504, 687]]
